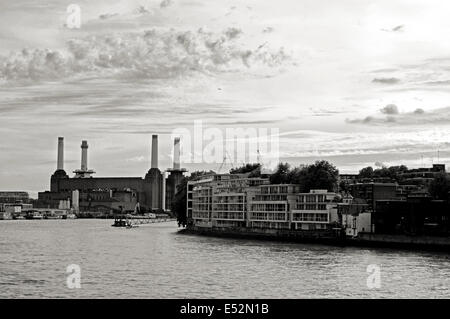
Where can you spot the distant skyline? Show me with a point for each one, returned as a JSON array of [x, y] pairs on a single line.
[[355, 82]]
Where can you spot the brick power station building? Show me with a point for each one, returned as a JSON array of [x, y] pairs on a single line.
[[153, 192]]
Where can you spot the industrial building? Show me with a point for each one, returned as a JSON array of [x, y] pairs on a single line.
[[13, 202], [153, 192]]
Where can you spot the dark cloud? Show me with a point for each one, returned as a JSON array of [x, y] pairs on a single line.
[[379, 164], [366, 120], [165, 3], [386, 80], [445, 82], [107, 16], [232, 33], [142, 10], [399, 28], [391, 109]]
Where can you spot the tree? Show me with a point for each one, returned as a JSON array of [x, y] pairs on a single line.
[[281, 175], [320, 175], [178, 206], [440, 186], [254, 169], [396, 171], [382, 172], [366, 172], [392, 172], [297, 175], [179, 202]]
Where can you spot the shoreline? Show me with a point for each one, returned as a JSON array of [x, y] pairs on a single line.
[[403, 242]]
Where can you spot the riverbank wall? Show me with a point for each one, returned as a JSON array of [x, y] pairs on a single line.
[[327, 237]]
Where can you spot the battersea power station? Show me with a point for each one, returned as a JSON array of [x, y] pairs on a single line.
[[85, 193]]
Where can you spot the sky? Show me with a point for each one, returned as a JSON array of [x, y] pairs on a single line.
[[355, 82]]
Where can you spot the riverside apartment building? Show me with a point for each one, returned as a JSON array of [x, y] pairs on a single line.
[[236, 200]]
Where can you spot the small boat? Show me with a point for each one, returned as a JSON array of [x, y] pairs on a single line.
[[53, 217], [34, 215], [37, 216], [120, 222]]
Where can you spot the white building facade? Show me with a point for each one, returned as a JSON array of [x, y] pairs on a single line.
[[239, 201]]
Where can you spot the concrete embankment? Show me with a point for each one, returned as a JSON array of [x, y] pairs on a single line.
[[322, 237], [334, 238], [401, 241]]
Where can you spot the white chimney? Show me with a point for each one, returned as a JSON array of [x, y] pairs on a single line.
[[176, 153], [154, 163], [84, 148], [60, 163], [76, 200]]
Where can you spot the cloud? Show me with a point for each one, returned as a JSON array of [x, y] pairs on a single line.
[[399, 28], [150, 54], [442, 82], [391, 109], [386, 80], [417, 117], [107, 16], [165, 3], [136, 159], [232, 33], [391, 119], [425, 75], [368, 119], [142, 10]]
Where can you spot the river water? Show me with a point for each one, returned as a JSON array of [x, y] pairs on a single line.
[[154, 261]]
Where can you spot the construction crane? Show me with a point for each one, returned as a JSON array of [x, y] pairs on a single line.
[[224, 161]]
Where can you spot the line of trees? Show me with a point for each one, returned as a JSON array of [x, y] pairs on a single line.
[[254, 170], [320, 175], [392, 172]]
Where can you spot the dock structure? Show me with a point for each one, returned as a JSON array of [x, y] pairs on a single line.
[[129, 221]]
